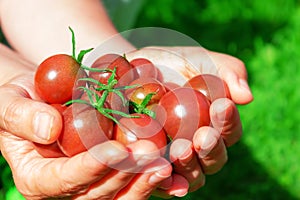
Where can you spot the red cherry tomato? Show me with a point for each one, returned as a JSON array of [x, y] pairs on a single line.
[[49, 150], [56, 79], [145, 68], [84, 127], [59, 107], [170, 86], [144, 87], [124, 72], [142, 128], [210, 85], [182, 111]]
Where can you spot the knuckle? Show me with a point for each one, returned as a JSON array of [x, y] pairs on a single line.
[[13, 106], [70, 188], [11, 115]]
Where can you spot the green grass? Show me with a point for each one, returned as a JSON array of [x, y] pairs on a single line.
[[265, 35]]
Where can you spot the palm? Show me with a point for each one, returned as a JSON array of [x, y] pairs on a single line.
[[181, 63]]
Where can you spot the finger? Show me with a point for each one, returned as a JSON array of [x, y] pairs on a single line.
[[141, 153], [179, 188], [142, 186], [28, 119], [67, 176], [107, 187], [186, 163], [122, 174], [233, 71], [226, 119], [210, 148]]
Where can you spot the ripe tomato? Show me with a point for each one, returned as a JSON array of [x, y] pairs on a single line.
[[111, 61], [84, 127], [56, 79], [145, 68], [60, 107], [210, 85], [142, 128], [144, 87], [182, 111], [170, 86]]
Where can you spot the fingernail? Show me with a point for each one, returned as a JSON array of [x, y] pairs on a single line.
[[42, 124], [221, 111], [179, 192], [208, 144], [166, 183], [204, 152], [244, 85], [186, 157], [158, 177], [144, 160]]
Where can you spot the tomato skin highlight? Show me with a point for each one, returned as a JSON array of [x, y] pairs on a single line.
[[182, 111], [56, 79], [145, 86], [84, 127], [141, 128], [210, 85]]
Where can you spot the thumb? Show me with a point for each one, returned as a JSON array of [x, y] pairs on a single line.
[[26, 118]]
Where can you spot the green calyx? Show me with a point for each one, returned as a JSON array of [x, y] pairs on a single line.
[[142, 107]]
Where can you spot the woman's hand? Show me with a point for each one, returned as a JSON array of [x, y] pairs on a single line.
[[189, 61], [206, 153], [85, 176], [25, 119]]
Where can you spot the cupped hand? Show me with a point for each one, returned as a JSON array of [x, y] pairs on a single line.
[[207, 152], [85, 176], [108, 170]]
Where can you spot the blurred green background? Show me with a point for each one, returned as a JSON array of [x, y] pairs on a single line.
[[266, 36]]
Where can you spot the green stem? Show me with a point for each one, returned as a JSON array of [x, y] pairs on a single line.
[[102, 99], [73, 43]]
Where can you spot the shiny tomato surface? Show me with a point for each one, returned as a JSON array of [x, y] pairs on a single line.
[[56, 79], [84, 127], [143, 127], [144, 87], [182, 111], [210, 85]]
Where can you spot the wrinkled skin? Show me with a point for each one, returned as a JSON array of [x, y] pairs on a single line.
[[85, 177]]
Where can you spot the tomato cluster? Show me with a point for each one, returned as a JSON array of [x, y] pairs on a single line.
[[118, 99]]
